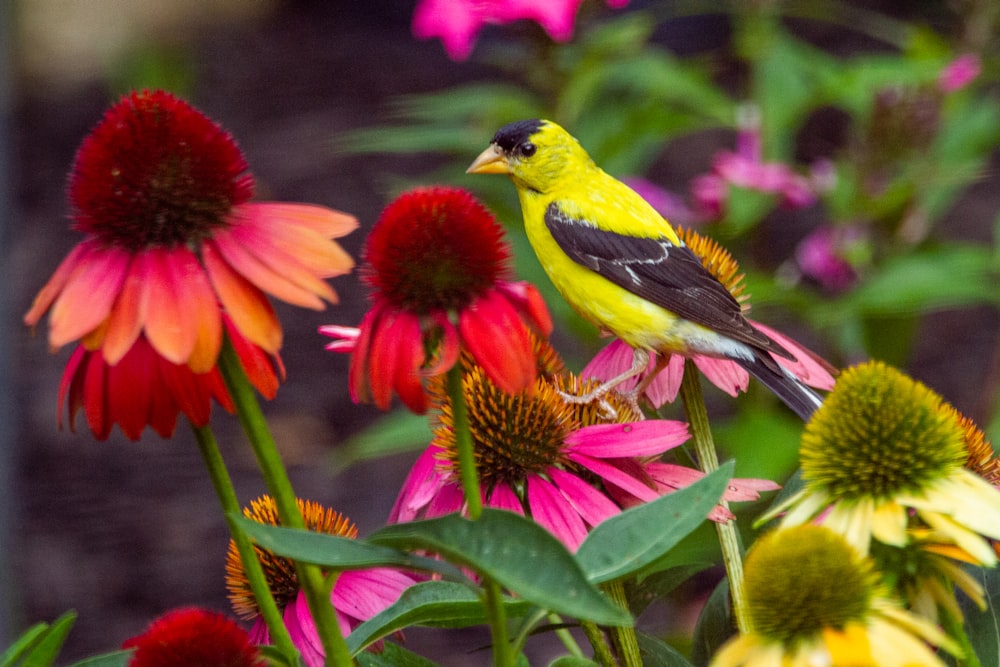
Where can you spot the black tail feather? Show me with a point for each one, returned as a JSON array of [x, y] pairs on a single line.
[[796, 395]]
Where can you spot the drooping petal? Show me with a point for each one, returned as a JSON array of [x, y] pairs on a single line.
[[492, 331], [725, 374], [129, 392], [395, 358], [88, 295], [43, 300], [93, 399], [168, 317], [613, 475], [590, 503], [244, 303], [357, 372], [303, 633], [649, 437], [129, 311], [809, 367], [423, 482], [503, 498], [529, 302], [251, 268], [550, 509], [264, 373], [70, 386]]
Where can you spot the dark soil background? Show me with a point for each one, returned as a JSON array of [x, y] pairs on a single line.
[[123, 531]]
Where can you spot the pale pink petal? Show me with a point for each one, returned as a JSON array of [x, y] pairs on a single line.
[[590, 503], [244, 303], [725, 374], [90, 290], [809, 367], [345, 339], [613, 475], [43, 300], [550, 509], [649, 437]]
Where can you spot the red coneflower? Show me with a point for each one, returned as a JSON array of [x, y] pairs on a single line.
[[194, 637], [173, 242], [438, 264]]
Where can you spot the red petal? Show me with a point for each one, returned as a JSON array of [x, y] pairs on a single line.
[[71, 384], [492, 331], [129, 312]]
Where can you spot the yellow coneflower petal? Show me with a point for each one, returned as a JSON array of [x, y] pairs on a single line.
[[893, 647], [889, 524], [850, 646], [968, 540], [854, 521]]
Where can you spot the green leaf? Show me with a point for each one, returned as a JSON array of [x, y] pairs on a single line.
[[397, 432], [336, 553], [435, 603], [572, 661], [116, 659], [659, 653], [943, 277], [45, 651], [22, 644], [624, 544], [394, 655], [981, 626], [714, 625], [515, 552]]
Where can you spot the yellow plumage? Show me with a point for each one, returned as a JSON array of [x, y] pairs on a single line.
[[620, 264]]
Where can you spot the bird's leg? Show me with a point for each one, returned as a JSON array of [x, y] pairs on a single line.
[[661, 362], [640, 360]]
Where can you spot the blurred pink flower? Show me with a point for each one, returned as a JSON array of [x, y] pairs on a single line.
[[745, 168], [822, 256], [458, 22], [959, 73]]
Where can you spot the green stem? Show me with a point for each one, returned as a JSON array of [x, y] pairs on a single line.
[[468, 472], [953, 628], [599, 641], [469, 475], [279, 486], [708, 460], [566, 637], [226, 493], [623, 637]]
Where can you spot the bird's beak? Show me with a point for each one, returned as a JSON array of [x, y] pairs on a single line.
[[490, 161]]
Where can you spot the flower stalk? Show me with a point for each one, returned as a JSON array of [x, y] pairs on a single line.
[[625, 641], [493, 596], [226, 493], [316, 590], [708, 461]]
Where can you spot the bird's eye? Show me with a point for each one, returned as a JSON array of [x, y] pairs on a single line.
[[528, 149]]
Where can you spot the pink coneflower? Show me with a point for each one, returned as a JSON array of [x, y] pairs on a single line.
[[458, 22], [727, 375], [565, 465], [357, 596], [195, 637], [173, 242], [745, 168], [438, 264], [823, 256]]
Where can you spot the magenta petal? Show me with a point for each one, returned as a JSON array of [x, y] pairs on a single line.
[[550, 509], [504, 498], [808, 367], [590, 503], [302, 631], [361, 594], [614, 359], [644, 438], [614, 475], [420, 486], [448, 500]]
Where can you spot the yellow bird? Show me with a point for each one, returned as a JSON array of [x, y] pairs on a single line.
[[621, 265]]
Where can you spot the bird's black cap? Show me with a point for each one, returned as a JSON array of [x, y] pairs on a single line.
[[515, 134]]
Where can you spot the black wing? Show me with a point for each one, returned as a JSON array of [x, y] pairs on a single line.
[[670, 276]]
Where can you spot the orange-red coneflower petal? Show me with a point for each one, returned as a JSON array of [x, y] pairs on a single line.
[[43, 300], [257, 364], [167, 323], [90, 290], [250, 267], [246, 305], [287, 227], [129, 313]]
